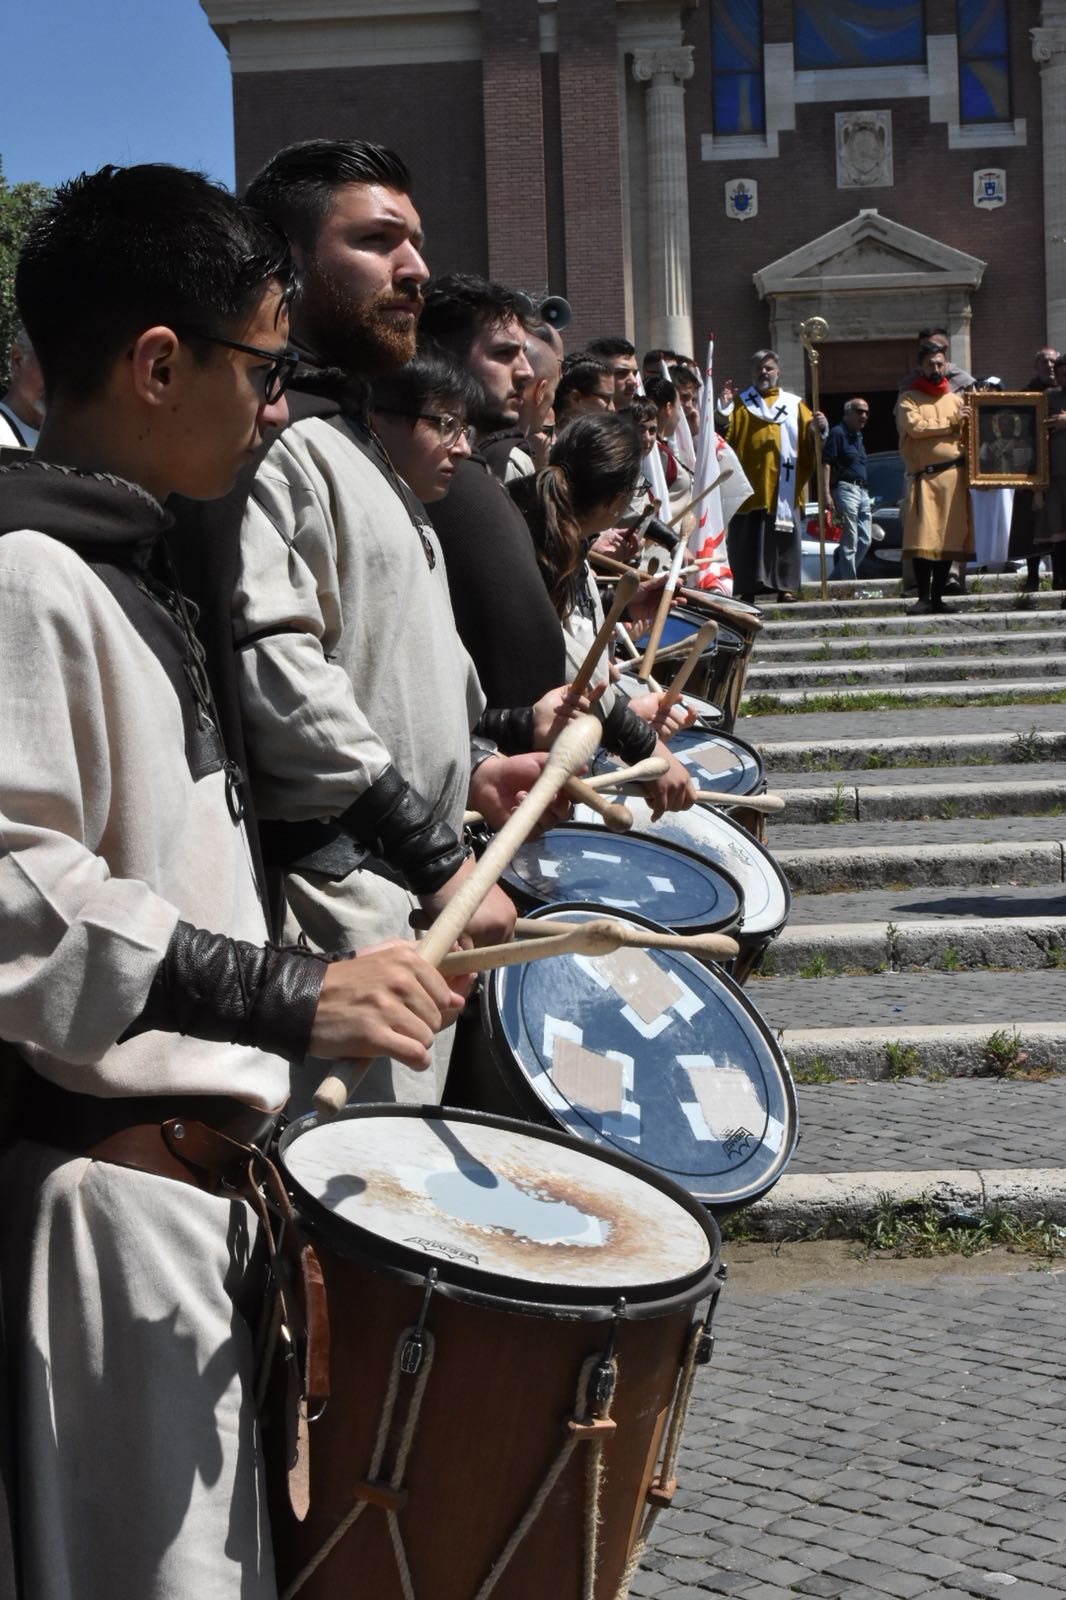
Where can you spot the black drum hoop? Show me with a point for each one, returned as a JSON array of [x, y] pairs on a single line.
[[468, 1284]]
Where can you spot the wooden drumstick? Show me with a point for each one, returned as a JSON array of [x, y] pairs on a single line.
[[706, 635], [617, 817], [726, 472], [666, 600], [576, 745], [627, 588], [718, 946], [598, 938], [753, 802], [642, 772]]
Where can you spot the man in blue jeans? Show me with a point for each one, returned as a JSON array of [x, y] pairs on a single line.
[[846, 492]]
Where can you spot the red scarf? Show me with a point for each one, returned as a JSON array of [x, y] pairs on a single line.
[[927, 386]]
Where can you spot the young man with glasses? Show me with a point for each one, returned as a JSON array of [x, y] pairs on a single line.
[[154, 1023], [846, 490]]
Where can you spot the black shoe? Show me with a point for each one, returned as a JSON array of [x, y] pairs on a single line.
[[954, 586], [920, 608], [1031, 586], [938, 608]]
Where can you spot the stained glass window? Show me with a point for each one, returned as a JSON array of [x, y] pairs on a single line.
[[858, 33], [984, 61], [736, 59]]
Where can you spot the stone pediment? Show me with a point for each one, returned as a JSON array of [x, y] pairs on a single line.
[[870, 252]]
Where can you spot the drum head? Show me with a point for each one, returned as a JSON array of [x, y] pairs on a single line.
[[682, 626], [713, 761], [715, 836], [627, 872], [497, 1206], [653, 1053]]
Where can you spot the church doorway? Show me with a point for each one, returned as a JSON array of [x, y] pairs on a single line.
[[871, 368]]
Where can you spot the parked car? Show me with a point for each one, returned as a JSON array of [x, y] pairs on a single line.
[[884, 469]]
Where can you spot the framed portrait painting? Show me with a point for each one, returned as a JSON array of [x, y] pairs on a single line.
[[1007, 443]]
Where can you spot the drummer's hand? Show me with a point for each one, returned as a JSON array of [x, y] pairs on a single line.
[[666, 722], [492, 922], [674, 791], [554, 710], [645, 603], [621, 543], [385, 1002], [499, 784]]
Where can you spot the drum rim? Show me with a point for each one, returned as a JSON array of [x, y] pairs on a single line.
[[469, 1285], [492, 1016], [507, 876], [721, 814]]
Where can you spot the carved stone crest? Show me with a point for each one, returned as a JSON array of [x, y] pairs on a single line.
[[864, 149]]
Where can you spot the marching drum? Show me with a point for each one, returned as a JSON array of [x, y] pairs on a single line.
[[515, 1323], [625, 872], [650, 1052], [714, 760], [720, 672], [714, 835]]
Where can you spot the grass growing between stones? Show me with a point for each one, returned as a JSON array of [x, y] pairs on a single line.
[[764, 704], [814, 1071], [901, 1060], [1027, 747], [918, 1229]]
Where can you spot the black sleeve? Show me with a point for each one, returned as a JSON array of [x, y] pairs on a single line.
[[511, 730], [214, 987], [627, 735], [395, 822]]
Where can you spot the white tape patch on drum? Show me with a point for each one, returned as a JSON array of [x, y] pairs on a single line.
[[727, 1107], [709, 757], [649, 991], [598, 1082]]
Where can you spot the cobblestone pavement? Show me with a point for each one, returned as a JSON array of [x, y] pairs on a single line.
[[905, 999], [810, 726], [919, 1127], [892, 1437], [979, 775], [912, 904], [784, 836]]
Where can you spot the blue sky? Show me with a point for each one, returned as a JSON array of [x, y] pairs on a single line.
[[90, 81]]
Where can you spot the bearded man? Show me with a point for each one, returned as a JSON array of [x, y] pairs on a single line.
[[356, 695], [772, 432]]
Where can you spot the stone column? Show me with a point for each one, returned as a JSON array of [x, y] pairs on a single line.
[[1049, 48], [669, 254]]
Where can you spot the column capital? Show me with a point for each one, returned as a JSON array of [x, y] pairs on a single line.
[[1048, 43], [675, 62]]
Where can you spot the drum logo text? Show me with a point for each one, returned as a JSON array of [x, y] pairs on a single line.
[[442, 1249]]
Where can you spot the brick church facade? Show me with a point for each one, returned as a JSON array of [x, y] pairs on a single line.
[[735, 166]]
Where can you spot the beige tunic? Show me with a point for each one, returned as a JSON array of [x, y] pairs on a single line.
[[936, 509], [356, 664]]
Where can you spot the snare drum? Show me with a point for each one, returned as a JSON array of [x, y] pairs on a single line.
[[715, 836], [719, 675], [714, 760], [647, 1051], [509, 1313], [626, 872]]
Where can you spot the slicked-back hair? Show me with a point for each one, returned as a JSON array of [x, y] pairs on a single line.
[[433, 377], [640, 409], [458, 306], [120, 250], [609, 346], [661, 391], [582, 374], [765, 355], [296, 188], [929, 347], [594, 460]]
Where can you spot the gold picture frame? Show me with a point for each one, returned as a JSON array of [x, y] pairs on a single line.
[[1007, 445]]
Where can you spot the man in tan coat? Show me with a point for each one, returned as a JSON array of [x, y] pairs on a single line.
[[936, 518]]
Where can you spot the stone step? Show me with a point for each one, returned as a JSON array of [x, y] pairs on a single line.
[[973, 621], [872, 1003], [849, 696], [985, 902], [936, 832], [903, 802], [815, 761], [915, 647], [874, 676], [832, 948], [992, 1049], [972, 773], [887, 604], [868, 729], [817, 871]]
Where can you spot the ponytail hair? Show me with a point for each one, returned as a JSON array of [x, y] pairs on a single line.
[[595, 460]]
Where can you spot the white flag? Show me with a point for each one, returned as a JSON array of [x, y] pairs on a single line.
[[707, 540]]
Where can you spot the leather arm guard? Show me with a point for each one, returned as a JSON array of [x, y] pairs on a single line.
[[394, 822], [627, 735], [510, 730], [214, 987]]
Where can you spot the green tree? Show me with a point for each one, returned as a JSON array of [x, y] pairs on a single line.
[[19, 202]]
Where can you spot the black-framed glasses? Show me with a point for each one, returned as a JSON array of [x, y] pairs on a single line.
[[283, 364], [450, 428]]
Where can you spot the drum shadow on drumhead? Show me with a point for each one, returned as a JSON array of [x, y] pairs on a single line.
[[470, 1165]]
